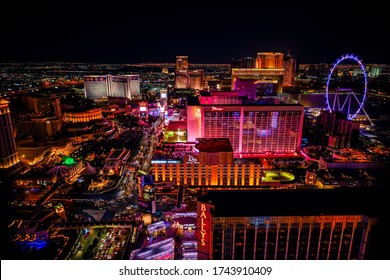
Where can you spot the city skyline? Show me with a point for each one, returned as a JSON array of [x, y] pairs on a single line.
[[206, 32]]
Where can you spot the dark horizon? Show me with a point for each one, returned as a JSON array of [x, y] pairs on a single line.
[[147, 32]]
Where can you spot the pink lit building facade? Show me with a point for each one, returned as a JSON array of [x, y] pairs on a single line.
[[253, 130]]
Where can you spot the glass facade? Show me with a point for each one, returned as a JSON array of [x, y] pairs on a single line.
[[223, 124], [256, 129]]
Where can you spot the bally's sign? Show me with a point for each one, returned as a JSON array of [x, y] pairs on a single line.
[[204, 232]]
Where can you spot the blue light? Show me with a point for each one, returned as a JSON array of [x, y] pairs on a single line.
[[35, 244]]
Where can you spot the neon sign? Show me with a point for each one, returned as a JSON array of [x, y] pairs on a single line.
[[204, 233], [69, 161], [203, 224], [192, 159], [213, 108]]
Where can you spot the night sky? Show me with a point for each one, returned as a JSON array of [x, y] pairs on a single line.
[[206, 31]]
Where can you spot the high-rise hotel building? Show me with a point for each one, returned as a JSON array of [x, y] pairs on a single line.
[[187, 79], [254, 128], [8, 151], [208, 164], [181, 62], [99, 86], [290, 67], [264, 79], [286, 225], [264, 75]]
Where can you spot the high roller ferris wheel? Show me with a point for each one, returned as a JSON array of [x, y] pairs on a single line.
[[351, 97]]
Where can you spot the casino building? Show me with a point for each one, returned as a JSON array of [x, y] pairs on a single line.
[[242, 225], [264, 127], [9, 159], [185, 78], [83, 115], [99, 86], [209, 164], [264, 79]]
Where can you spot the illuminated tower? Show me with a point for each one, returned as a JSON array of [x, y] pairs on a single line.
[[120, 87], [181, 62], [196, 79], [181, 73], [269, 60], [289, 66], [97, 86], [265, 79], [134, 85], [8, 152]]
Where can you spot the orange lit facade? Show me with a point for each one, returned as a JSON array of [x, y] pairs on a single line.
[[205, 175], [245, 80], [86, 116], [8, 150], [210, 164], [269, 60], [265, 79], [189, 79]]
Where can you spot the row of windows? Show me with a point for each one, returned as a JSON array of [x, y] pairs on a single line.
[[288, 244], [251, 114]]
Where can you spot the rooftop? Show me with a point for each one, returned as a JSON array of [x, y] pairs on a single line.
[[363, 201], [194, 101], [213, 145], [177, 125]]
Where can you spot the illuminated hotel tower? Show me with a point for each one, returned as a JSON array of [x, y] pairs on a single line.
[[265, 79], [309, 226], [134, 85], [187, 79], [8, 152], [181, 62], [120, 87], [181, 73], [269, 60], [252, 128], [108, 85], [289, 66], [97, 86]]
